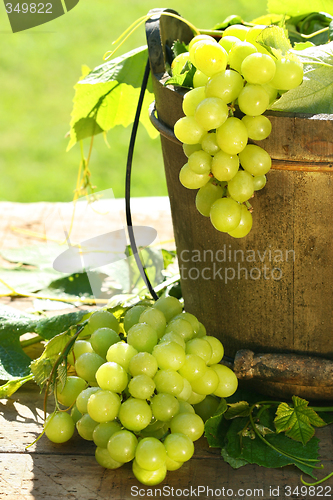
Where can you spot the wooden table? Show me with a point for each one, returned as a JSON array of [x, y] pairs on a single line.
[[47, 471]]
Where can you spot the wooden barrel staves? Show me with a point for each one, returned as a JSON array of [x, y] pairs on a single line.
[[270, 292]]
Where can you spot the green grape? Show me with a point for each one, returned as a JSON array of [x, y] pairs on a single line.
[[200, 347], [189, 424], [227, 86], [241, 186], [172, 464], [206, 196], [150, 454], [122, 445], [272, 93], [191, 319], [202, 331], [87, 365], [192, 99], [200, 162], [255, 160], [169, 355], [59, 427], [179, 447], [211, 113], [195, 398], [189, 149], [104, 459], [73, 386], [188, 130], [141, 387], [142, 337], [149, 477], [82, 399], [228, 41], [173, 337], [158, 433], [164, 406], [155, 318], [121, 353], [102, 339], [225, 214], [199, 79], [237, 30], [209, 57], [132, 316], [217, 349], [75, 414], [104, 431], [209, 144], [259, 182], [143, 363], [224, 166], [170, 307], [169, 381], [232, 136], [238, 53], [258, 68], [190, 179], [244, 227], [228, 381], [207, 384], [103, 319], [193, 368], [85, 427], [200, 38], [181, 327], [185, 407], [253, 100], [288, 75], [112, 377], [258, 127], [103, 406], [186, 392], [207, 407], [135, 414], [80, 347], [179, 62]]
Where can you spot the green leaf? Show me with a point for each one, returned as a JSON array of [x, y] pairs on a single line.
[[216, 427], [255, 451], [184, 79], [297, 7], [297, 421], [40, 256], [6, 390], [24, 280], [315, 94], [303, 45], [14, 362], [108, 96], [240, 409], [235, 463], [275, 38], [178, 48]]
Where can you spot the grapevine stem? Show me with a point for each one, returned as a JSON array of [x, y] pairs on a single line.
[[28, 342], [317, 482]]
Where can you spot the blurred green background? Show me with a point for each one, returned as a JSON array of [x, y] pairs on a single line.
[[39, 68]]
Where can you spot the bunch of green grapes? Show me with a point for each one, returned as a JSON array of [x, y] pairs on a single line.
[[142, 395], [222, 164]]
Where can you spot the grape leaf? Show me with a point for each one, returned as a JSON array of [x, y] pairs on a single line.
[[275, 38], [315, 94], [240, 409], [296, 7], [108, 96], [216, 426], [297, 421], [255, 451], [14, 362], [184, 79]]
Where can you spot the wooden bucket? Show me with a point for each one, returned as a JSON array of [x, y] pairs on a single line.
[[270, 292]]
